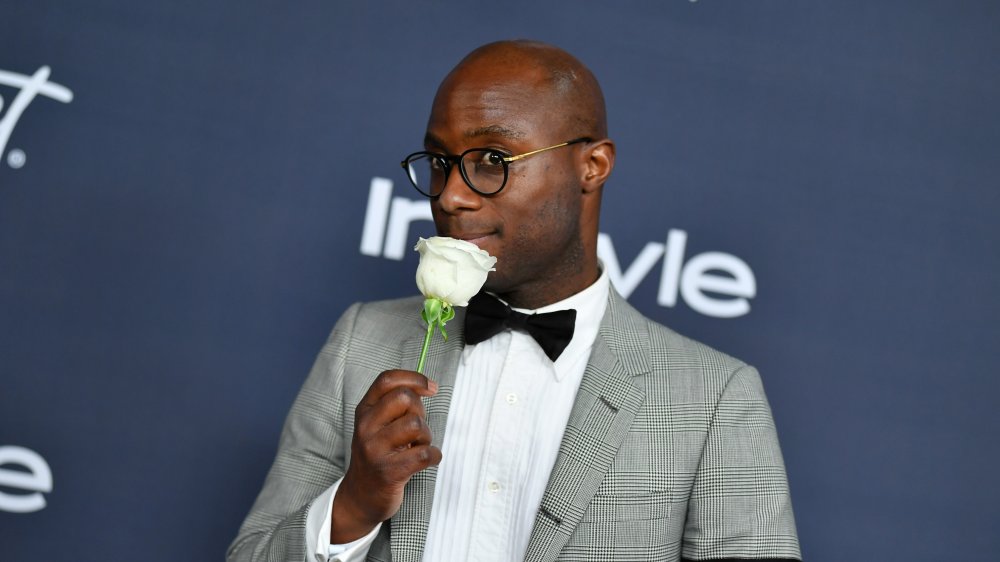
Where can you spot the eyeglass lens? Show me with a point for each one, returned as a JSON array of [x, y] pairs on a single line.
[[484, 170]]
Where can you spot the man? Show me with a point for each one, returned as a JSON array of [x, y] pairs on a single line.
[[631, 443]]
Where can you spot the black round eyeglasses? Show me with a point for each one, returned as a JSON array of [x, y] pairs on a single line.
[[484, 170]]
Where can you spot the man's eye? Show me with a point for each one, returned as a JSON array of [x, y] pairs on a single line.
[[437, 164], [489, 162], [491, 158]]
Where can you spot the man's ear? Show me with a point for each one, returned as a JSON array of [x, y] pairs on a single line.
[[599, 159]]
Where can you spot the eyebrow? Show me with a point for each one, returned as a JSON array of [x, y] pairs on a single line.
[[430, 139], [495, 130]]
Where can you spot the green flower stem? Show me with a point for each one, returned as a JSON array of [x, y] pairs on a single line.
[[436, 313], [427, 344]]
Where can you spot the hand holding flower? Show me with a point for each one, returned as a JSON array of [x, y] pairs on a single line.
[[392, 440]]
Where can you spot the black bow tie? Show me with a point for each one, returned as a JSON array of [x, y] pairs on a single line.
[[487, 316]]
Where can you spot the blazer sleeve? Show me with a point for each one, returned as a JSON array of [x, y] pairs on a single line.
[[740, 505], [310, 458]]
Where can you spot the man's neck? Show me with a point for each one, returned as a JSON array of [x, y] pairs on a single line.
[[536, 296]]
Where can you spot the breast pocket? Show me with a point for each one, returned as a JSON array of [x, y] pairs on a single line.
[[626, 528], [629, 507]]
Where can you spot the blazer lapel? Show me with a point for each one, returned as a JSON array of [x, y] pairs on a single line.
[[408, 528], [605, 406]]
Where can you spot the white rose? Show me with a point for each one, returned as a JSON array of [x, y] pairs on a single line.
[[452, 270]]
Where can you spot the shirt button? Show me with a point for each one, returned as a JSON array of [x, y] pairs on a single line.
[[511, 398], [494, 487]]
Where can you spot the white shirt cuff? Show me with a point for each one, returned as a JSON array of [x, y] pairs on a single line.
[[318, 522]]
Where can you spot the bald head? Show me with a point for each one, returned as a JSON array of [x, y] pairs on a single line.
[[551, 72], [543, 110]]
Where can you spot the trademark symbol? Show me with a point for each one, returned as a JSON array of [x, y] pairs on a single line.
[[16, 158]]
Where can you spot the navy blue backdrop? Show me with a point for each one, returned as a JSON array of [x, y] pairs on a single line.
[[190, 195]]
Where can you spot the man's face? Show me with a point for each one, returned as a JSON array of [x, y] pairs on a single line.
[[533, 225]]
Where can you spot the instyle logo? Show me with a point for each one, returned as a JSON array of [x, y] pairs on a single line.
[[30, 87], [712, 283], [27, 472]]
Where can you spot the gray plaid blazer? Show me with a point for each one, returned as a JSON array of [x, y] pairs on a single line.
[[670, 449]]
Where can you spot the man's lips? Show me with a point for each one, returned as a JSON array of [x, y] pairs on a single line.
[[475, 237]]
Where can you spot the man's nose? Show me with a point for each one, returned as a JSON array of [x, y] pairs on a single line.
[[457, 195]]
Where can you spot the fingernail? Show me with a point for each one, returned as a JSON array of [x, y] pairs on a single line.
[[432, 386]]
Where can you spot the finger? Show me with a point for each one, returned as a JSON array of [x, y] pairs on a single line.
[[405, 432], [380, 450], [390, 380], [399, 402], [413, 460]]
